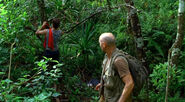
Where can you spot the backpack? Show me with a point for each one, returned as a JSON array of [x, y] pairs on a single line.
[[138, 71]]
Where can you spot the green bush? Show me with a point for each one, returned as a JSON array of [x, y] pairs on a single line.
[[37, 88], [158, 83]]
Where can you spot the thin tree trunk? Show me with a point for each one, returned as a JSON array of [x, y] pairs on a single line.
[[176, 47], [9, 72], [135, 29], [109, 4], [174, 51], [41, 6], [42, 12], [168, 76]]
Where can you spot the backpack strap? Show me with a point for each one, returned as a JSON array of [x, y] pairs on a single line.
[[101, 81], [119, 53]]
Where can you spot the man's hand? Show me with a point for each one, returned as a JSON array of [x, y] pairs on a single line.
[[98, 86], [45, 25], [43, 30]]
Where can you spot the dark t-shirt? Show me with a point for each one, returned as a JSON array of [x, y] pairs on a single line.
[[121, 65], [56, 36]]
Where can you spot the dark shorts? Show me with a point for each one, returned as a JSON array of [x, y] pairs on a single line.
[[52, 54]]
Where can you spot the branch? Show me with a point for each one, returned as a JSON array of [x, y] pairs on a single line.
[[29, 79], [87, 18], [31, 29], [10, 60], [127, 5], [25, 82], [84, 20], [92, 15], [168, 76]]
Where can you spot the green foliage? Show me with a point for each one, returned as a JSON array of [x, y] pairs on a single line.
[[78, 90], [83, 41], [80, 51], [37, 88], [159, 25], [158, 82]]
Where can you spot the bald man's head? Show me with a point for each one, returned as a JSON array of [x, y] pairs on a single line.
[[107, 38]]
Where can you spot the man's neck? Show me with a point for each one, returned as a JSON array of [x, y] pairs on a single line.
[[110, 51], [54, 28]]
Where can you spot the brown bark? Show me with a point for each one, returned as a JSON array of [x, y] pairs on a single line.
[[109, 4], [9, 72], [168, 80], [174, 52], [42, 12], [135, 29], [175, 49]]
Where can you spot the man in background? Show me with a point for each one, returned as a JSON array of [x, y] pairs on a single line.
[[51, 41]]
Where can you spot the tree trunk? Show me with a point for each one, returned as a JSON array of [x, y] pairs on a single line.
[[176, 47], [109, 4], [42, 12], [41, 6], [168, 81], [174, 52], [135, 29], [9, 72]]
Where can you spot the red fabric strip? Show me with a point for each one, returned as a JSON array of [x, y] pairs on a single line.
[[50, 41]]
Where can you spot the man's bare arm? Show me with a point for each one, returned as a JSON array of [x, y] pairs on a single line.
[[124, 73], [98, 86], [129, 85], [39, 31], [43, 29]]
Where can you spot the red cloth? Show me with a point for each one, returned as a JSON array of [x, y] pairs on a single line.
[[50, 40]]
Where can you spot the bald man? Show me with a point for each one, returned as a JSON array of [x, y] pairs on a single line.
[[116, 81]]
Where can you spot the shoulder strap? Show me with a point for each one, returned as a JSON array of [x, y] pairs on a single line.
[[119, 53], [101, 81]]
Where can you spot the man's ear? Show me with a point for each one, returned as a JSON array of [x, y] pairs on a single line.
[[104, 45]]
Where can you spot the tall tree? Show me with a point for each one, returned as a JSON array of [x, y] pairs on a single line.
[[135, 29], [41, 6], [42, 12], [176, 47], [109, 4], [174, 51]]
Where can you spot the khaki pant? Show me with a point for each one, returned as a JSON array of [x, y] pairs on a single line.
[[102, 99]]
